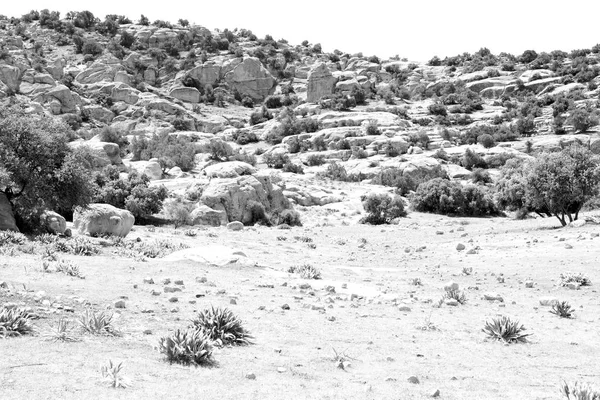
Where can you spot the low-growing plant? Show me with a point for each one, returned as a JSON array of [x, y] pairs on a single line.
[[15, 322], [11, 237], [568, 277], [97, 323], [505, 330], [455, 294], [290, 218], [222, 326], [188, 347], [315, 159], [580, 391], [111, 374], [563, 309], [306, 271], [62, 332]]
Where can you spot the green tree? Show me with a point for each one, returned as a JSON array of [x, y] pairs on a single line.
[[39, 171], [382, 208]]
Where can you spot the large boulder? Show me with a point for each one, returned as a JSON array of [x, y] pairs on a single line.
[[125, 94], [185, 94], [251, 78], [10, 76], [204, 215], [320, 83], [206, 74], [7, 218], [236, 196], [104, 153], [100, 219], [102, 70], [53, 223], [65, 97], [230, 169], [151, 168]]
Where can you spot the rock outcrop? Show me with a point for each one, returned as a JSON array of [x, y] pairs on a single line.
[[204, 215], [99, 219], [230, 169], [320, 83], [251, 78]]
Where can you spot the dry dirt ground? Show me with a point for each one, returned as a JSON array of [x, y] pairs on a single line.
[[388, 332]]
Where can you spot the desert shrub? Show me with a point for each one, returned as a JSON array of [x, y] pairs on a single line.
[[273, 102], [480, 175], [441, 196], [177, 212], [97, 323], [276, 160], [505, 330], [420, 138], [438, 109], [222, 326], [189, 347], [219, 150], [171, 151], [372, 128], [133, 193], [257, 213], [525, 126], [290, 218], [337, 102], [315, 159], [12, 238], [39, 170], [248, 103], [306, 271], [580, 391], [293, 168], [258, 117], [486, 141], [239, 155], [336, 171], [570, 277], [243, 137], [112, 135], [14, 322], [498, 160], [382, 208], [455, 294], [471, 159]]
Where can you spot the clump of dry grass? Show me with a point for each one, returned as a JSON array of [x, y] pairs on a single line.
[[189, 347], [97, 323], [63, 332], [580, 391], [505, 330], [15, 322], [306, 271], [222, 326], [568, 277]]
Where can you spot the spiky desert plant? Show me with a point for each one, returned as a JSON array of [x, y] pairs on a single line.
[[192, 346], [563, 309], [62, 332], [569, 277], [14, 322], [306, 271], [505, 330], [69, 268], [580, 391], [112, 375], [222, 326], [97, 323], [416, 282], [457, 295]]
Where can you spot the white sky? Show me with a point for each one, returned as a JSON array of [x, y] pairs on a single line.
[[416, 29]]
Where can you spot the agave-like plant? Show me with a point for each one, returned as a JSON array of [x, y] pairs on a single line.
[[457, 295], [222, 326], [505, 330], [62, 332], [569, 277], [192, 346], [563, 309], [112, 375], [14, 322], [306, 271], [580, 391], [97, 323]]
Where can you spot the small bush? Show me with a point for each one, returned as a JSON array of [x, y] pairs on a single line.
[[293, 168], [569, 277], [276, 160], [273, 102], [315, 160], [290, 218], [472, 160], [14, 322], [505, 330], [189, 347], [480, 175], [382, 208], [222, 326], [455, 294], [486, 141], [580, 391], [373, 128], [336, 171], [438, 109], [177, 212]]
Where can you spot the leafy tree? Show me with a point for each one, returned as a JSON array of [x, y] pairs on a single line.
[[561, 183], [441, 196], [583, 120], [39, 170]]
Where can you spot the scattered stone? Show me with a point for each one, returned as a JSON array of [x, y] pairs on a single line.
[[178, 282], [568, 246], [330, 289], [573, 285], [147, 332], [3, 285], [235, 226], [528, 284], [285, 307], [472, 251], [404, 309], [170, 289], [460, 247], [251, 376], [120, 304], [155, 293], [281, 370], [149, 281], [413, 379], [166, 281], [451, 302], [390, 379], [173, 299], [548, 301], [201, 279], [435, 393], [493, 297], [331, 318], [344, 286], [232, 301]]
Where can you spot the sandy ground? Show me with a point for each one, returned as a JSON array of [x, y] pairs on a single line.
[[388, 332]]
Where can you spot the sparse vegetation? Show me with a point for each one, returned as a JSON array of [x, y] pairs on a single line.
[[221, 326], [188, 347], [15, 322], [506, 330]]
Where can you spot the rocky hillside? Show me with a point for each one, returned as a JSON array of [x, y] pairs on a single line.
[[225, 120]]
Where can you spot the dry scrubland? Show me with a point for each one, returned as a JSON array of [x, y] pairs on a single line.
[[386, 214]]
